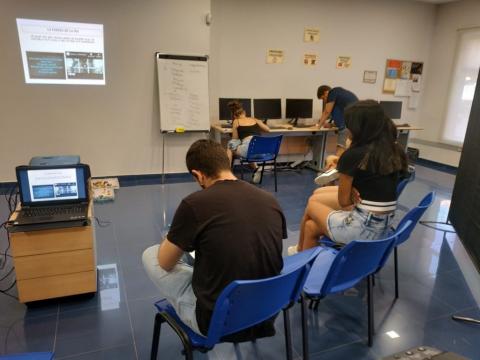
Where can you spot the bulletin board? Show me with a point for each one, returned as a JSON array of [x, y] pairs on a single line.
[[402, 76]]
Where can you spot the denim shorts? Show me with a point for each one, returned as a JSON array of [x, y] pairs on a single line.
[[345, 226], [240, 146]]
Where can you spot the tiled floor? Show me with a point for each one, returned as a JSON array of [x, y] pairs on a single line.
[[436, 280]]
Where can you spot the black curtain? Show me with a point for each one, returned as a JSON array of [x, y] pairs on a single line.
[[465, 206]]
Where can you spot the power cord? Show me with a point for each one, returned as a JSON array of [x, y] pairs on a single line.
[[431, 225], [102, 223]]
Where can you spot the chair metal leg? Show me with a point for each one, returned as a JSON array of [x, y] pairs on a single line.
[[187, 347], [156, 336], [317, 302], [288, 337], [370, 310], [395, 264], [275, 173], [373, 280], [304, 329], [241, 170], [261, 173]]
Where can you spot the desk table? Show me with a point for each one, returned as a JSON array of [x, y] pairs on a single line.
[[317, 135]]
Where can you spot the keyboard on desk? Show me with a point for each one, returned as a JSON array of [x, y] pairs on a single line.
[[57, 213], [54, 210]]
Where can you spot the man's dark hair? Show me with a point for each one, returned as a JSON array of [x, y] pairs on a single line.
[[207, 156], [321, 90]]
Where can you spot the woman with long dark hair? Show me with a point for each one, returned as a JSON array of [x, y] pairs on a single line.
[[363, 204]]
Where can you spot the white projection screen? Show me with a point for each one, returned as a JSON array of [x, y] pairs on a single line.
[[55, 52]]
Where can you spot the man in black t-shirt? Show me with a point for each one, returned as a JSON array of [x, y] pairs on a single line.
[[235, 229]]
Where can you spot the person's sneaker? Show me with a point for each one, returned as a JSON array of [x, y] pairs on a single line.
[[292, 250], [257, 175], [327, 177]]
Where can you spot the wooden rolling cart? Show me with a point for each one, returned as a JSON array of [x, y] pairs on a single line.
[[55, 262]]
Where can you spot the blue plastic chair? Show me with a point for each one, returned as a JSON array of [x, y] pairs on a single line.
[[241, 305], [262, 149], [29, 356], [413, 216], [334, 271]]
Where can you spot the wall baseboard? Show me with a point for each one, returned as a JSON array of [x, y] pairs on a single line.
[[437, 166]]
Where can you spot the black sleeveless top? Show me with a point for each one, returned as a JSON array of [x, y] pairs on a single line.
[[245, 131]]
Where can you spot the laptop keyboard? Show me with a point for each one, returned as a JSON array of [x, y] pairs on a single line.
[[54, 210]]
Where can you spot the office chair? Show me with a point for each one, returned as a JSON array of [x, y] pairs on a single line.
[[241, 305]]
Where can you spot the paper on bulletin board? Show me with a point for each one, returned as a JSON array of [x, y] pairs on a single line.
[[413, 100], [416, 82], [405, 70], [369, 77], [274, 56], [389, 85], [311, 35], [403, 87], [344, 62], [310, 59]]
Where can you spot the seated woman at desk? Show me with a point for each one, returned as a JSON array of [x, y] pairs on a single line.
[[363, 204], [243, 128]]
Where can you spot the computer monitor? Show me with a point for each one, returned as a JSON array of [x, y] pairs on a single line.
[[267, 109], [224, 112], [299, 108], [393, 109]]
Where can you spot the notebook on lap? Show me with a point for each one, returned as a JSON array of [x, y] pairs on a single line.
[[53, 195]]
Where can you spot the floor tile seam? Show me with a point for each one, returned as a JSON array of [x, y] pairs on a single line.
[[153, 297], [56, 328], [126, 297], [445, 316], [90, 352], [361, 340], [455, 311]]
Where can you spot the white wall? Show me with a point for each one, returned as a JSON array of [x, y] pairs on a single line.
[[450, 17], [114, 128], [370, 31]]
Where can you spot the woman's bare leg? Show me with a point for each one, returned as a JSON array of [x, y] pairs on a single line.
[[314, 223], [327, 195]]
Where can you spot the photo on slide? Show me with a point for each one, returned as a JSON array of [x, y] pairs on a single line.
[[81, 65]]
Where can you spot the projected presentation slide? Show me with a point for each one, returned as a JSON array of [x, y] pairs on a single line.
[[55, 52]]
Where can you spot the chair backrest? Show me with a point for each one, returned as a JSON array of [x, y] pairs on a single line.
[[401, 186], [414, 216], [354, 262], [263, 148], [245, 303]]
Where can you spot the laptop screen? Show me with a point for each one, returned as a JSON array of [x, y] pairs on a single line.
[[52, 185]]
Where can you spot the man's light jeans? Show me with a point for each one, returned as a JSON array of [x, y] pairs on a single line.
[[175, 285]]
